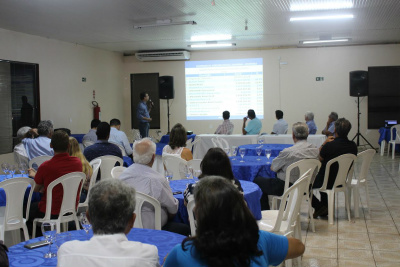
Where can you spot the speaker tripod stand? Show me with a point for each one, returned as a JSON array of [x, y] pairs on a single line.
[[358, 134]]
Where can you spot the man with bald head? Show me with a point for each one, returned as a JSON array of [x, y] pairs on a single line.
[[145, 180]]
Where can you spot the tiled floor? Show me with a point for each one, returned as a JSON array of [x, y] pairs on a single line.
[[372, 239]]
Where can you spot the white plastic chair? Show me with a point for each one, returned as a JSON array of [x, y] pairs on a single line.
[[116, 171], [215, 142], [38, 161], [12, 218], [140, 199], [190, 144], [174, 163], [121, 148], [95, 166], [18, 158], [107, 163], [345, 171], [394, 138], [286, 220], [303, 166], [195, 164], [366, 157], [72, 186], [193, 224], [87, 143]]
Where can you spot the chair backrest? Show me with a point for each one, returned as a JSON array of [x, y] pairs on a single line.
[[195, 164], [72, 186], [95, 164], [38, 161], [15, 189], [174, 163], [291, 202], [395, 137], [345, 169], [303, 165], [18, 158], [107, 163], [215, 142], [121, 148], [116, 171], [193, 224], [223, 143], [366, 156], [140, 199], [87, 143]]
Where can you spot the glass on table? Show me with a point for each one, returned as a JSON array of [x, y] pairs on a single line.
[[49, 231], [242, 152], [23, 168], [13, 168], [268, 153], [234, 150], [169, 175], [5, 168], [183, 168], [258, 151], [85, 223]]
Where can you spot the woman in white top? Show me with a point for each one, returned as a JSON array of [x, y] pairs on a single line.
[[20, 154], [177, 143]]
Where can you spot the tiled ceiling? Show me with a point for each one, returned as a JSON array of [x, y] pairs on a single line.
[[108, 24]]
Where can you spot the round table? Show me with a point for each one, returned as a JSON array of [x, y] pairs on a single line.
[[252, 195], [19, 256], [251, 167], [275, 149]]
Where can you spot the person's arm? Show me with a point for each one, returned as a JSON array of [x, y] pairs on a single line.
[[328, 139], [326, 131], [126, 144], [218, 129], [296, 248], [244, 125], [186, 154], [279, 162]]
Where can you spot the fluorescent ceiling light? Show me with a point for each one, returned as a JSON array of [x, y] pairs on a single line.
[[211, 45], [214, 37], [329, 5], [325, 41], [348, 16], [167, 22]]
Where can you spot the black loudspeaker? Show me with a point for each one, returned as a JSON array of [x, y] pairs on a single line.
[[166, 88], [358, 83]]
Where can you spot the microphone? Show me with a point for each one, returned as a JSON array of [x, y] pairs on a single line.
[[151, 102]]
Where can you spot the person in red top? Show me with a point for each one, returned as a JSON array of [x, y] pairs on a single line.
[[50, 170]]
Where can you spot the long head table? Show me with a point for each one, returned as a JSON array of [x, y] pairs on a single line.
[[205, 142], [19, 256]]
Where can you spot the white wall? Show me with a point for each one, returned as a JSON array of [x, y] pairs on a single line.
[[64, 98], [290, 87]]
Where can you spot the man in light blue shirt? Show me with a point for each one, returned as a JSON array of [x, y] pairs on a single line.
[[119, 137], [281, 126], [143, 114], [90, 138], [40, 146], [254, 126], [309, 117], [329, 129]]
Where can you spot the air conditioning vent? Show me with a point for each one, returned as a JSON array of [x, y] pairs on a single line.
[[163, 55]]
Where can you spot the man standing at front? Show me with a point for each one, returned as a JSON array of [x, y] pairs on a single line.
[[144, 179], [254, 126], [301, 150], [143, 114]]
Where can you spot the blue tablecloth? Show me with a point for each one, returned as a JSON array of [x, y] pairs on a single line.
[[35, 196], [159, 148], [252, 195], [78, 137], [127, 161], [165, 138], [251, 167], [275, 148], [21, 257]]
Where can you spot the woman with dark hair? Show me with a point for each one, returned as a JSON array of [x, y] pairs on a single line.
[[227, 233], [177, 143], [215, 162]]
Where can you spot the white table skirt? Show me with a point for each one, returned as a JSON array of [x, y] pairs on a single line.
[[205, 143]]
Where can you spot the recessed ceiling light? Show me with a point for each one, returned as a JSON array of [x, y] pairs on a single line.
[[348, 16], [211, 37], [211, 45], [325, 41], [329, 5]]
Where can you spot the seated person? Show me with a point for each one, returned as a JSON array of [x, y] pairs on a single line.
[[119, 137], [111, 213], [177, 143], [227, 233], [90, 138], [301, 150], [227, 126], [40, 146], [253, 126], [20, 154], [330, 124], [280, 126], [215, 162], [148, 181], [312, 127]]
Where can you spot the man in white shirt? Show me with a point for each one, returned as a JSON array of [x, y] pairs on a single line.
[[280, 126], [144, 179], [110, 211], [119, 137]]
